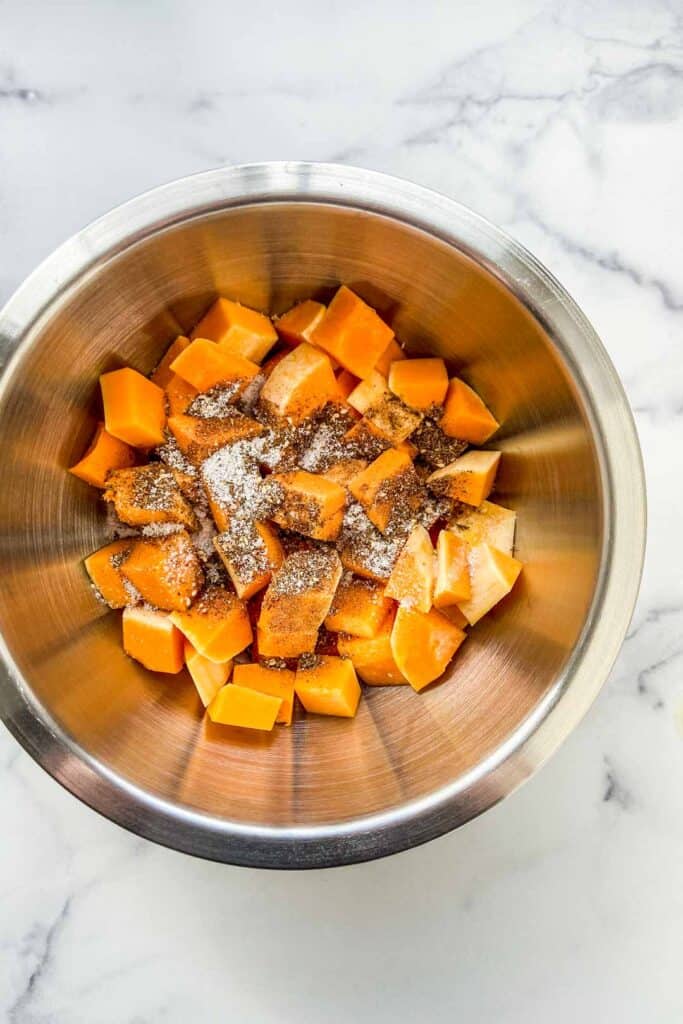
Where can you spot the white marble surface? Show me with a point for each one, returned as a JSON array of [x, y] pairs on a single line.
[[563, 122]]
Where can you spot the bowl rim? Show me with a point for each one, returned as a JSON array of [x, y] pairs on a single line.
[[623, 487]]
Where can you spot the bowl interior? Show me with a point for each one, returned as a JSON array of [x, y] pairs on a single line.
[[149, 730]]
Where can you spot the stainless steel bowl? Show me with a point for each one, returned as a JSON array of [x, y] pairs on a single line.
[[134, 746]]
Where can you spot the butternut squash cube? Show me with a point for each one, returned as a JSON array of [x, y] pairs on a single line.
[[393, 418], [359, 607], [419, 383], [134, 408], [412, 579], [151, 638], [465, 416], [493, 575], [166, 572], [368, 393], [329, 686], [453, 574], [297, 324], [104, 454], [204, 364], [277, 682], [392, 353], [489, 524], [286, 644], [200, 437], [302, 382], [207, 676], [179, 395], [365, 441], [386, 487], [237, 329], [148, 494], [300, 593], [244, 707], [217, 625], [353, 333], [469, 479], [372, 657], [103, 568], [363, 549], [163, 374], [307, 503], [423, 644], [250, 551]]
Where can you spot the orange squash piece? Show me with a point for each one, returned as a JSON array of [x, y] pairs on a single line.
[[244, 707], [179, 395], [328, 686], [166, 571], [103, 569], [469, 479], [274, 361], [385, 487], [346, 384], [419, 383], [412, 578], [465, 416], [277, 682], [359, 607], [300, 383], [363, 549], [250, 551], [368, 393], [151, 638], [353, 333], [423, 644], [392, 353], [298, 323], [134, 408], [300, 593], [148, 494], [104, 454], [288, 644], [163, 374], [207, 676], [217, 625], [489, 524], [493, 575], [307, 503], [204, 365], [237, 329], [452, 573], [200, 437], [372, 657], [454, 615]]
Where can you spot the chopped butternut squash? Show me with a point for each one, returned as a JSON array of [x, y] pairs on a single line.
[[285, 644], [151, 638], [179, 395], [353, 333], [277, 682], [465, 416], [412, 579], [489, 524], [165, 571], [388, 485], [199, 437], [250, 551], [300, 383], [372, 657], [419, 383], [328, 686], [217, 625], [359, 607], [134, 408], [148, 494], [244, 707], [297, 324], [453, 574], [307, 503], [207, 676], [368, 393], [469, 479], [103, 568], [392, 353], [346, 385], [300, 593], [423, 644], [204, 365], [493, 575], [237, 329], [163, 374], [104, 454]]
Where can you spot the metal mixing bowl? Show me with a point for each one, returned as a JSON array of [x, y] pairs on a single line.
[[410, 767]]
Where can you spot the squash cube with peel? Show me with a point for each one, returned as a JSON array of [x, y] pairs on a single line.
[[204, 365], [241, 706], [148, 494], [465, 416], [300, 593], [452, 573], [104, 453], [151, 638], [289, 643], [207, 676], [386, 488], [327, 685], [412, 579], [469, 479], [217, 625], [419, 383], [250, 551], [277, 682], [359, 607], [165, 571], [300, 383], [493, 575], [163, 374], [103, 568], [199, 437], [368, 393], [298, 323], [134, 408], [423, 644], [392, 354], [307, 503], [489, 524], [372, 657], [237, 329], [353, 333]]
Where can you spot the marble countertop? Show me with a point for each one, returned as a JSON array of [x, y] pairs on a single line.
[[563, 123]]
